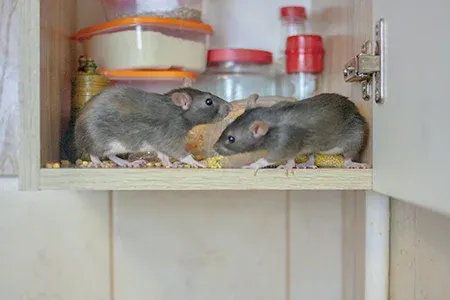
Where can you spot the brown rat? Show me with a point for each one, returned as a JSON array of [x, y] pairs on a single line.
[[122, 119], [327, 123]]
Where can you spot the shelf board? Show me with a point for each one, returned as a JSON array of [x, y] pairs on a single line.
[[204, 179]]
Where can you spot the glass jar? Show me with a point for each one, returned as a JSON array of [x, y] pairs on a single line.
[[237, 73], [304, 63]]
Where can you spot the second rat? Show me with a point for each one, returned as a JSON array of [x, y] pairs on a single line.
[[327, 124], [122, 119]]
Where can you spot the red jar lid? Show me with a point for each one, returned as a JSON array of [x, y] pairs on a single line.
[[293, 12], [238, 55], [304, 53]]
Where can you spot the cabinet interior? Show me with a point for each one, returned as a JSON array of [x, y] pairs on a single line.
[[58, 61]]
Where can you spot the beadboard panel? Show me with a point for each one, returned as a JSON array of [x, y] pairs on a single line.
[[420, 247], [315, 234], [9, 77], [199, 245], [55, 245]]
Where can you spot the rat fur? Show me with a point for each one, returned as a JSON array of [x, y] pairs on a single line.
[[123, 119], [328, 123]]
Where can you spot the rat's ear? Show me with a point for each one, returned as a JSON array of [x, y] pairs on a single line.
[[259, 128], [182, 100], [251, 101]]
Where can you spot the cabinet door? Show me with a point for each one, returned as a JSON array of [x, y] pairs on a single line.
[[411, 129]]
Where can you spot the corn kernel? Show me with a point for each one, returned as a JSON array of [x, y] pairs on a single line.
[[56, 166], [85, 163], [48, 165], [187, 166], [150, 165], [336, 161], [65, 163], [158, 164]]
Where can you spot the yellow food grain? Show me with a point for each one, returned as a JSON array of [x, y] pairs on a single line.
[[48, 165], [214, 162], [324, 161], [150, 165], [158, 164], [56, 165], [85, 163], [78, 162], [65, 163], [186, 166], [329, 161]]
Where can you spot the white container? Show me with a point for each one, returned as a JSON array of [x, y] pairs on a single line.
[[147, 43], [151, 81], [179, 9]]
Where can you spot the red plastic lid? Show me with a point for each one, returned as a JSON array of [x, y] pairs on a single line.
[[304, 53], [293, 12], [239, 55]]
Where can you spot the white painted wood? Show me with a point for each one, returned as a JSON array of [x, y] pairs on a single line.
[[377, 247], [199, 245], [29, 93], [420, 247], [353, 245], [410, 132], [204, 179], [54, 245], [315, 234], [9, 183]]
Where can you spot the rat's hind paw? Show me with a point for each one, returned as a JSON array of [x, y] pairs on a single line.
[[95, 162], [289, 166], [136, 164], [192, 162], [349, 164], [309, 164]]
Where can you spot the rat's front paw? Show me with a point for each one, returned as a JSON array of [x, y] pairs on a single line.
[[260, 163], [289, 166]]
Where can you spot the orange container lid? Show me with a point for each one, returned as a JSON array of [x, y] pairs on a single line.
[[126, 22], [148, 74]]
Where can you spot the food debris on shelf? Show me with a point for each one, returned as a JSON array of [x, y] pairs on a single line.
[[215, 162], [211, 162]]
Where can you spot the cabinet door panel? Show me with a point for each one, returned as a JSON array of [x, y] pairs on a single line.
[[411, 128]]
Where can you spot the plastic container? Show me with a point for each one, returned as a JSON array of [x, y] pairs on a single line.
[[293, 22], [178, 9], [304, 63], [151, 81], [147, 43], [237, 73]]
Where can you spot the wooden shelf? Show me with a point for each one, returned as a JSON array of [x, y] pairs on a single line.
[[201, 179]]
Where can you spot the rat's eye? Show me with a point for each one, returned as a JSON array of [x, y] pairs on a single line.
[[208, 102], [231, 139]]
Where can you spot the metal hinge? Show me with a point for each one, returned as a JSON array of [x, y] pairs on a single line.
[[367, 67]]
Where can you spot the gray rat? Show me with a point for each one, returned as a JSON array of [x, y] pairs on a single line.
[[123, 119], [327, 123]]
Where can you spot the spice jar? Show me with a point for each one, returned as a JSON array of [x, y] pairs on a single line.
[[85, 84], [293, 22], [237, 73], [304, 63]]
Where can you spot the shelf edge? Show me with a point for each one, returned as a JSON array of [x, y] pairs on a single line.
[[204, 179]]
